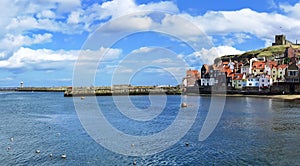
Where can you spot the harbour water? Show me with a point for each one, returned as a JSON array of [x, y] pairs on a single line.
[[251, 131]]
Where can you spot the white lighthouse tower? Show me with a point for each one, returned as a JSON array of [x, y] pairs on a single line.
[[21, 84]]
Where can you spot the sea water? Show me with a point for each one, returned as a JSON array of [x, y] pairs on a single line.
[[251, 131]]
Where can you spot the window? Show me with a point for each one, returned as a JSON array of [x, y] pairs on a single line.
[[293, 73], [250, 84]]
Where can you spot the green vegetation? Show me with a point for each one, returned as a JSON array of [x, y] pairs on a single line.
[[271, 51]]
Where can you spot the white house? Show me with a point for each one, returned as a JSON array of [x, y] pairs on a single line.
[[265, 81], [208, 81], [252, 82], [274, 73], [184, 82], [245, 70], [268, 70], [281, 73]]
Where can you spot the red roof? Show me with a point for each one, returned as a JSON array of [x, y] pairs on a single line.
[[237, 76], [282, 66], [272, 64], [259, 65]]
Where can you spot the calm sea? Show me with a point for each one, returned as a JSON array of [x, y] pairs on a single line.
[[251, 131]]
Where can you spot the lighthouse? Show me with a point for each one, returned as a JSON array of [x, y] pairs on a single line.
[[21, 84]]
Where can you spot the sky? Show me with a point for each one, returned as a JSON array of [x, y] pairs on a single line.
[[139, 42]]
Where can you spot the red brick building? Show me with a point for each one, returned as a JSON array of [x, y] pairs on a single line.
[[191, 77]]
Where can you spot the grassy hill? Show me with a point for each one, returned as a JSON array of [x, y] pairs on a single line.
[[265, 52]]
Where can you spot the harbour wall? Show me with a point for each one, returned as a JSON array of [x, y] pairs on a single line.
[[41, 89], [121, 90], [278, 88]]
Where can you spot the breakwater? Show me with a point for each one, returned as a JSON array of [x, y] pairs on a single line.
[[41, 89], [122, 90]]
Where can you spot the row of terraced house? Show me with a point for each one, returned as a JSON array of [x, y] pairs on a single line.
[[255, 72]]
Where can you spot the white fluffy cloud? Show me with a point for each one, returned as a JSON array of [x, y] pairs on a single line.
[[26, 57], [74, 18], [11, 41], [46, 14], [207, 56], [260, 24], [45, 58], [119, 8], [67, 16], [129, 23], [24, 23], [292, 11]]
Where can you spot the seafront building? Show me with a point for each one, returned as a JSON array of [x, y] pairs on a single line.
[[276, 73], [191, 78]]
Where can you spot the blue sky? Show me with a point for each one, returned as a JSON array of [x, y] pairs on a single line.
[[141, 42]]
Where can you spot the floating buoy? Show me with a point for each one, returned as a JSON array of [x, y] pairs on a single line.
[[50, 155], [82, 97], [11, 139], [8, 148], [37, 151], [132, 145], [134, 162], [183, 105], [63, 156], [187, 144]]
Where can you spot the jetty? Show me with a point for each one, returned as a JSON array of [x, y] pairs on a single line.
[[122, 90], [41, 89], [34, 89]]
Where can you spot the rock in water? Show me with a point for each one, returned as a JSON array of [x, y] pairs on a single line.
[[63, 156], [183, 105]]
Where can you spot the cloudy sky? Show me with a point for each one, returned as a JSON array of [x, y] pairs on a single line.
[[142, 42]]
